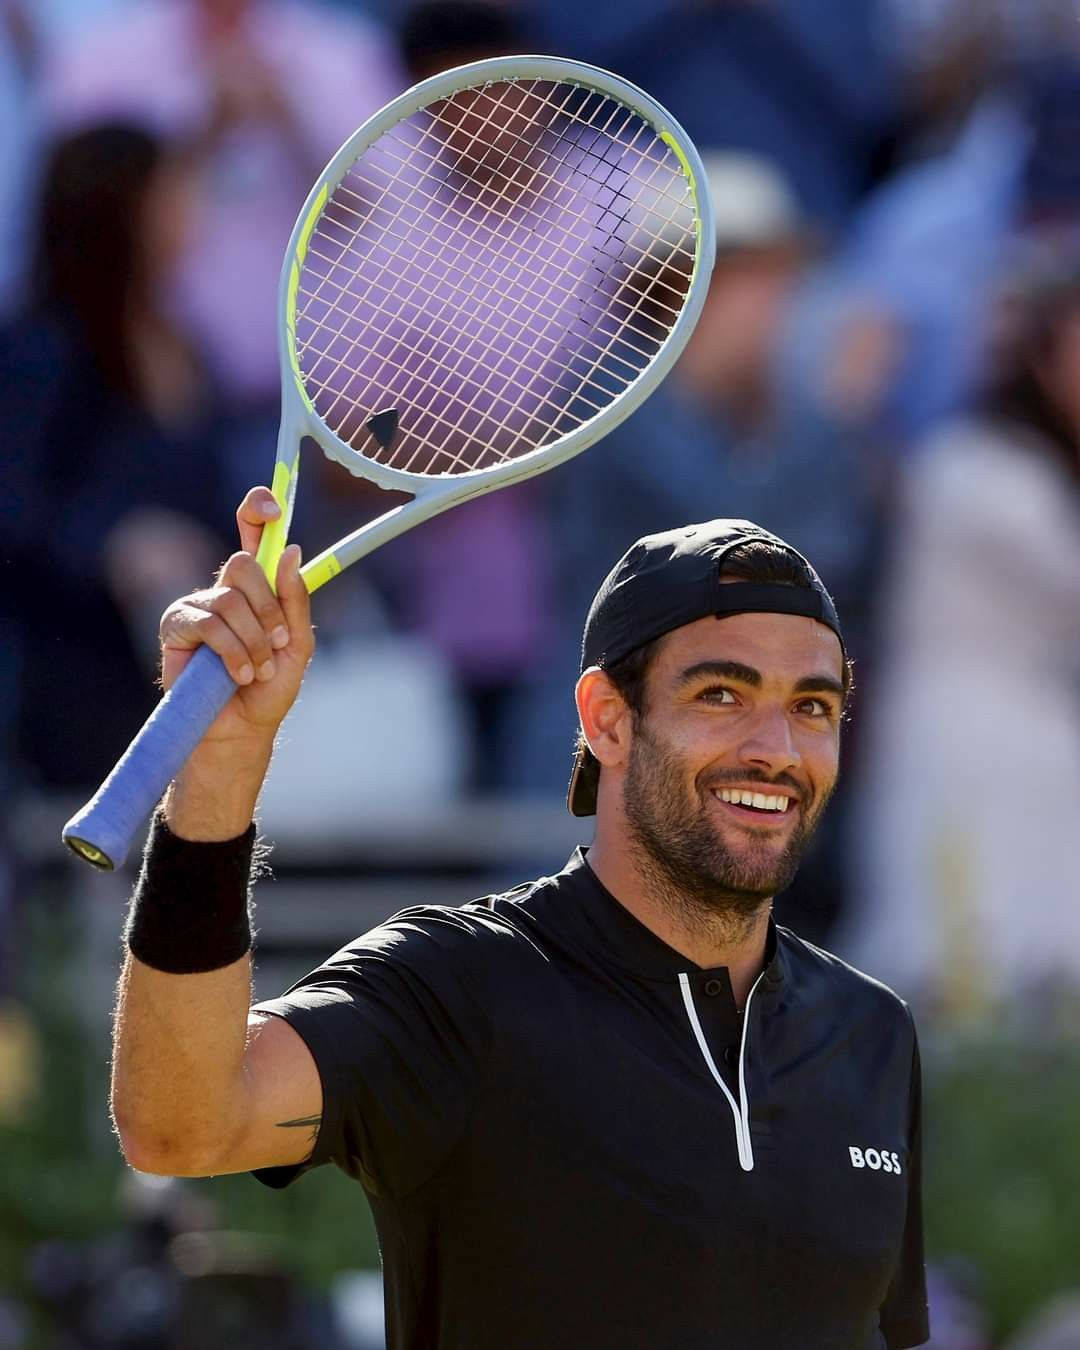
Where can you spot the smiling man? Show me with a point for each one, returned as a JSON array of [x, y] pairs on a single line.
[[614, 1107], [722, 745]]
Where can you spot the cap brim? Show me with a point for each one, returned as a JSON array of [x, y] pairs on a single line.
[[584, 780]]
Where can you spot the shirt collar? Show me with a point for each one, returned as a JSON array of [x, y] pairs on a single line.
[[609, 930]]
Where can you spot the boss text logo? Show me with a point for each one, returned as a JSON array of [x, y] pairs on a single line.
[[878, 1160]]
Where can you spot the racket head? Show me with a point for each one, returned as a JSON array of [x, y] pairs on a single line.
[[103, 831], [640, 168]]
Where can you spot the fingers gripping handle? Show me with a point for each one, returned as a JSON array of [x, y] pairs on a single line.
[[102, 832]]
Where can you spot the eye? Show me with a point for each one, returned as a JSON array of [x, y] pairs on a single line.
[[815, 707], [718, 693]]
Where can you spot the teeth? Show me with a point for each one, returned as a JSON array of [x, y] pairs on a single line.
[[740, 797]]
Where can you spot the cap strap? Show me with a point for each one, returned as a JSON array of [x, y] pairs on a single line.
[[739, 597]]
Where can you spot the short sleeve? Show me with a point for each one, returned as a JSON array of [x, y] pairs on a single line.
[[400, 1035], [904, 1316]]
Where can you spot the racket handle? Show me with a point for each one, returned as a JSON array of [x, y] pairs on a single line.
[[103, 831]]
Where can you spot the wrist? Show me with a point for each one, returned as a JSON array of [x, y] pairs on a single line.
[[191, 910], [213, 798]]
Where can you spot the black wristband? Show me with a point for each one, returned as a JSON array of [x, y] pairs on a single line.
[[191, 908]]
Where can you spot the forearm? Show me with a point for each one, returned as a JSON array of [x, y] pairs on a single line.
[[178, 1052], [185, 989]]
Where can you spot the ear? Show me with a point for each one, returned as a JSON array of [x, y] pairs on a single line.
[[605, 717]]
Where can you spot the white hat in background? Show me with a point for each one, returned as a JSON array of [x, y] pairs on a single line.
[[751, 200]]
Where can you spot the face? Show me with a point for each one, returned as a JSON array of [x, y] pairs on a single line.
[[748, 704], [492, 132], [168, 217], [734, 341], [222, 15]]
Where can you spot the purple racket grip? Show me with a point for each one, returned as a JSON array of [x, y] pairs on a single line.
[[103, 831]]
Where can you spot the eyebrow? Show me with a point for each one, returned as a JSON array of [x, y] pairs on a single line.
[[743, 674]]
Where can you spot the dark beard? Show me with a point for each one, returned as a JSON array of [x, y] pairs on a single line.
[[680, 847]]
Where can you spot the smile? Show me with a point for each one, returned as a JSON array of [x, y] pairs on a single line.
[[759, 803]]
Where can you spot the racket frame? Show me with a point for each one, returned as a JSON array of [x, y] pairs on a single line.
[[104, 829], [434, 493]]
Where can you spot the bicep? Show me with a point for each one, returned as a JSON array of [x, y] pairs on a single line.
[[282, 1099], [397, 1035]]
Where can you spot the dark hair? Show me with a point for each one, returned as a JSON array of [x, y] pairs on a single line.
[[88, 256], [756, 560], [437, 34]]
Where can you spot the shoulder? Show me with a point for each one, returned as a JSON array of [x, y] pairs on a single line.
[[820, 975], [446, 942]]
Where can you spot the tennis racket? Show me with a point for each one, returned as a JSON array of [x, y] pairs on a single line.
[[492, 273]]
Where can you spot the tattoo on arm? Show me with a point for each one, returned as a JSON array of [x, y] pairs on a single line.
[[302, 1122]]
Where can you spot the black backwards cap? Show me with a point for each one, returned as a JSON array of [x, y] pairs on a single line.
[[668, 580]]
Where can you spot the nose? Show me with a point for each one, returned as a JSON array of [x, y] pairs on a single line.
[[770, 745]]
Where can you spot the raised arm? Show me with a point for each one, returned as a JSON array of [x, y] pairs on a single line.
[[199, 1086]]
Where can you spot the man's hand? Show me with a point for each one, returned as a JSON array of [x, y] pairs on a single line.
[[265, 642]]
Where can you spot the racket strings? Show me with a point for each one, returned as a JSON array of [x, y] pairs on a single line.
[[448, 268], [437, 156], [628, 325], [674, 247], [499, 268], [428, 270], [418, 384], [531, 293], [560, 188], [593, 407], [447, 209], [573, 143], [434, 168], [451, 206], [487, 345]]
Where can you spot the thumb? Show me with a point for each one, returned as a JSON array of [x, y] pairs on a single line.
[[256, 510], [295, 602]]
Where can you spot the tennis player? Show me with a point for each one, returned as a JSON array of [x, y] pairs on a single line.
[[615, 1107]]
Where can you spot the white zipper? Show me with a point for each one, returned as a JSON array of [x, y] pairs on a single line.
[[739, 1109]]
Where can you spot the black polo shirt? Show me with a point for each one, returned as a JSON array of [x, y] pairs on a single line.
[[569, 1137]]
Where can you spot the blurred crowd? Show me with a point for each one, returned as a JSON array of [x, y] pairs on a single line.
[[886, 373]]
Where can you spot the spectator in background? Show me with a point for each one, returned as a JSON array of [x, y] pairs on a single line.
[[887, 340], [969, 792], [271, 88], [809, 87], [950, 52], [111, 483]]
